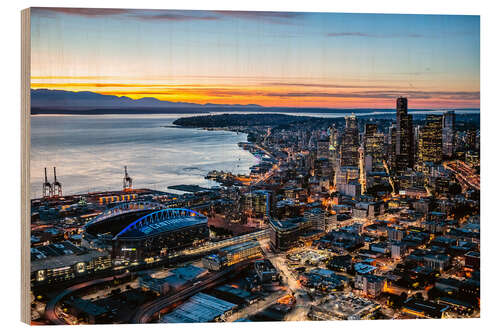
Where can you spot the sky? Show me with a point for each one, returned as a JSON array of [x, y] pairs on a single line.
[[284, 59]]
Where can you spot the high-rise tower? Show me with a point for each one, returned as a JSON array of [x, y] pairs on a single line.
[[333, 146], [430, 140], [350, 143], [448, 133], [373, 144], [404, 135]]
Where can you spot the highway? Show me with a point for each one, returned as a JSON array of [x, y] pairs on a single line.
[[146, 312], [50, 310], [465, 174]]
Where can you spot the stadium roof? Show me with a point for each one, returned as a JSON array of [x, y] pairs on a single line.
[[162, 221]]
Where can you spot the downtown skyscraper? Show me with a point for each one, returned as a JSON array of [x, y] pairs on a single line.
[[430, 139], [373, 144], [349, 155], [448, 133], [404, 136]]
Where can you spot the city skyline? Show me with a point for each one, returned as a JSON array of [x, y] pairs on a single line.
[[290, 59]]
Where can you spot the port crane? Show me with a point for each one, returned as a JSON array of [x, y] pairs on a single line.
[[47, 187], [127, 181], [56, 186]]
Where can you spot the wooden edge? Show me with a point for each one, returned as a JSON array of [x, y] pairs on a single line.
[[25, 166]]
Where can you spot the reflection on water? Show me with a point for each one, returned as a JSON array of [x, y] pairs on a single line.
[[90, 152]]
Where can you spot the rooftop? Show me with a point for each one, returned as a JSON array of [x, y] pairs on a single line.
[[163, 226], [54, 250], [424, 308], [65, 260], [288, 224], [200, 308], [240, 247]]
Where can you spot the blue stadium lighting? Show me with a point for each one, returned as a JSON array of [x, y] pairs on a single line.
[[125, 208], [156, 213]]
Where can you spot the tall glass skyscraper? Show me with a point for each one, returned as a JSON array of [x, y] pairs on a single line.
[[449, 133], [349, 155], [404, 135], [430, 139]]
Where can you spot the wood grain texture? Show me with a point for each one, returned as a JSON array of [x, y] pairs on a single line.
[[25, 165]]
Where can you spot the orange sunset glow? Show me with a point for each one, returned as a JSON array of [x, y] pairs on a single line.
[[299, 60]]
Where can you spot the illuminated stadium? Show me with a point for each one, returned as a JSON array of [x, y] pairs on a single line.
[[136, 231]]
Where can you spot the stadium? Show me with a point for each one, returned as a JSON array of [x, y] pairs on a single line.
[[137, 231]]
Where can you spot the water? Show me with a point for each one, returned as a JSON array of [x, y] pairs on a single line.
[[90, 152]]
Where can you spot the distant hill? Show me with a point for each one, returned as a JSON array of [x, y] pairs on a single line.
[[46, 99]]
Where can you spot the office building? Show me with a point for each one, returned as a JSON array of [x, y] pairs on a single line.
[[430, 140], [470, 139], [316, 217], [404, 135], [350, 143], [257, 203], [333, 149], [373, 148], [285, 233], [449, 133], [351, 189], [391, 147], [323, 148]]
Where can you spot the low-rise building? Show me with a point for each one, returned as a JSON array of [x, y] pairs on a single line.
[[201, 308], [266, 271], [373, 285], [419, 308], [231, 255], [63, 262]]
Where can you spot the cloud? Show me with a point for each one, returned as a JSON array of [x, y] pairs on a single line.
[[443, 95], [370, 35], [88, 12], [271, 17], [207, 92], [174, 16], [322, 85], [350, 34], [108, 85]]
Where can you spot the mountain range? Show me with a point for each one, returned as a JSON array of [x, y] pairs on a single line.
[[46, 99]]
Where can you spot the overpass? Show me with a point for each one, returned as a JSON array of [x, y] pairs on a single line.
[[50, 309]]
